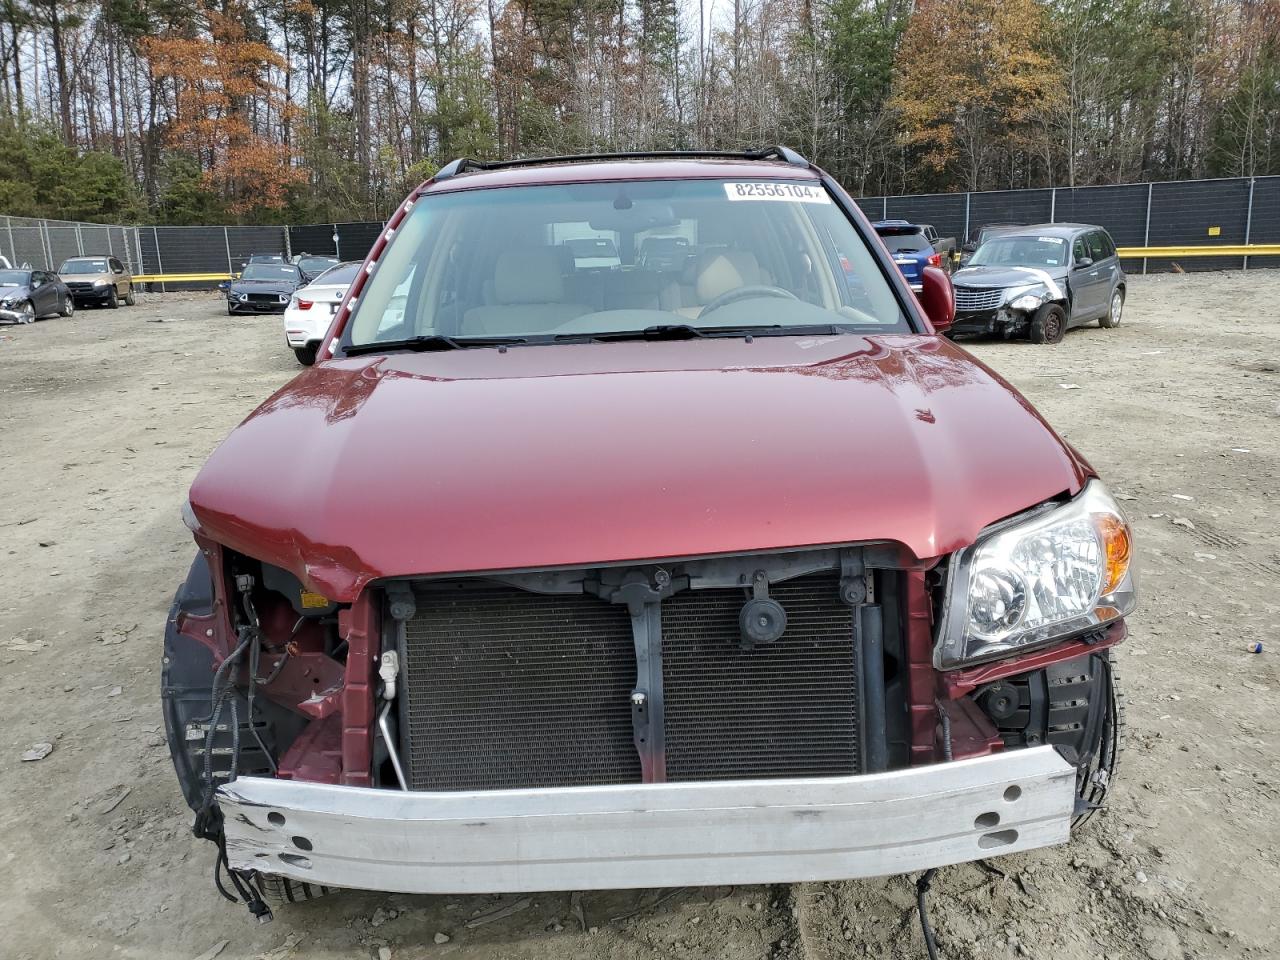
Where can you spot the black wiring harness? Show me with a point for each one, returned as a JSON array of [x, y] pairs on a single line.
[[208, 823]]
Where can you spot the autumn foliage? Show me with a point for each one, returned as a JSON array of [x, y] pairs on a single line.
[[974, 81], [331, 109], [219, 76]]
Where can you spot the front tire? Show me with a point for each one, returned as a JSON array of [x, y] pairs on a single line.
[[113, 299], [1111, 319], [68, 307], [129, 298], [306, 355], [27, 312], [1095, 774], [1049, 324]]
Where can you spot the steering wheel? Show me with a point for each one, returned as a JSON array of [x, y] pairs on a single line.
[[746, 293]]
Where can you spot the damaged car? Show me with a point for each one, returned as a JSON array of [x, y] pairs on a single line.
[[731, 570], [1038, 282]]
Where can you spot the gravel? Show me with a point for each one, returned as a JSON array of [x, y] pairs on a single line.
[[107, 417]]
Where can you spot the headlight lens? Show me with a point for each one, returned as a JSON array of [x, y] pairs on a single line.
[[101, 283], [1026, 298], [1058, 572]]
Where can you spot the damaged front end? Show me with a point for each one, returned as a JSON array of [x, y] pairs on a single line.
[[1006, 312], [776, 717]]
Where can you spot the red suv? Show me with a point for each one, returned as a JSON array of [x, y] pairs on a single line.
[[718, 566]]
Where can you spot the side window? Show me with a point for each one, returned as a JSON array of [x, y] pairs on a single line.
[[116, 266], [1078, 251], [1097, 246]]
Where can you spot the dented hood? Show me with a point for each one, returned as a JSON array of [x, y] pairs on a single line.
[[423, 463]]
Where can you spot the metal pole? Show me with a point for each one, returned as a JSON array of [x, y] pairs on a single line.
[[1146, 235], [965, 238], [884, 207], [13, 250], [137, 245], [336, 248], [110, 249], [159, 259], [1248, 220], [79, 240], [226, 240], [47, 252], [288, 247], [1053, 205]]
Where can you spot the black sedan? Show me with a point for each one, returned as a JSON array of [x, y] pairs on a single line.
[[263, 288], [28, 295]]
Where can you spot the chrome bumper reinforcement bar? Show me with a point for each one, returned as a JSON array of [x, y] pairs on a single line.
[[650, 835]]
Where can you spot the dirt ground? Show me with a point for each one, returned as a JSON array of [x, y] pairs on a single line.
[[105, 419]]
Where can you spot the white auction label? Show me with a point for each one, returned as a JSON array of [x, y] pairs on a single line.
[[777, 190]]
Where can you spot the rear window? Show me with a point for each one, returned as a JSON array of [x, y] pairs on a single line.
[[906, 243], [342, 274], [607, 257]]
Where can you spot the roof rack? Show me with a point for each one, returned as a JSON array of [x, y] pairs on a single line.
[[466, 164]]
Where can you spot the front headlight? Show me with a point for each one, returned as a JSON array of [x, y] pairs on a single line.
[[101, 283], [243, 298], [1063, 570], [1026, 298]]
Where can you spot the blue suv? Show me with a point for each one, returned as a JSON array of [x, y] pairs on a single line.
[[911, 251]]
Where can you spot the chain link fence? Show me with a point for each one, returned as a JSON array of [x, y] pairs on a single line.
[[1182, 213], [1188, 213], [44, 244]]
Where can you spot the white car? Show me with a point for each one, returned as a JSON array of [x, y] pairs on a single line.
[[311, 310]]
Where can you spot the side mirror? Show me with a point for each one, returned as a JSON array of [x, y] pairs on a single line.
[[224, 285], [938, 298], [969, 247], [1084, 262]]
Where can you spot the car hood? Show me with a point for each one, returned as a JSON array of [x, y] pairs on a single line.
[[1006, 276], [469, 460], [14, 293], [85, 277]]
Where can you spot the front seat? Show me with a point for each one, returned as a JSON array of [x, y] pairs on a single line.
[[528, 294], [718, 272]]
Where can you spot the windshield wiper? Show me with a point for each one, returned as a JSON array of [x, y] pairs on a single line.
[[430, 343], [685, 331], [661, 331]]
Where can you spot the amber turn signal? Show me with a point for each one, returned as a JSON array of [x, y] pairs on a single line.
[[1118, 543]]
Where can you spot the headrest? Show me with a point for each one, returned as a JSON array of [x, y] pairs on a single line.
[[527, 275], [725, 270]]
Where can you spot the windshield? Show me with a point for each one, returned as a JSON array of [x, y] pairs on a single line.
[[14, 278], [561, 261], [906, 243], [1021, 252], [270, 271], [84, 266], [316, 264], [339, 276]]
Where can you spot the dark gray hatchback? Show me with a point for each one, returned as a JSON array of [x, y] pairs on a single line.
[[1039, 281]]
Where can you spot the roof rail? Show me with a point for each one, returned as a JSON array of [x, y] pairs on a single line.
[[466, 164]]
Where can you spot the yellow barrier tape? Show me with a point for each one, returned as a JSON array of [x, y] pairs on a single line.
[[1224, 250], [178, 277]]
